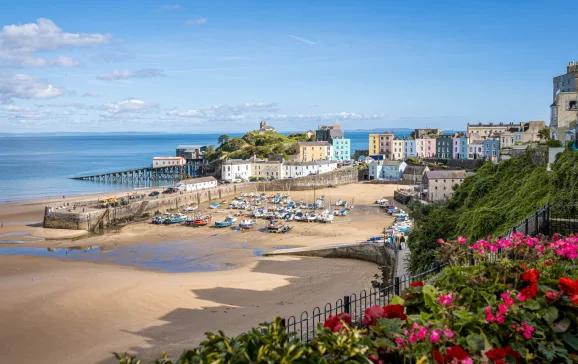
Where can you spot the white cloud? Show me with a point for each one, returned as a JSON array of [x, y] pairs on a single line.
[[90, 94], [226, 112], [19, 43], [342, 116], [128, 106], [303, 40], [197, 21], [171, 7], [113, 55], [125, 75], [22, 86]]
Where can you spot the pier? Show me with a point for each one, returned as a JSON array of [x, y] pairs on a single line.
[[147, 174]]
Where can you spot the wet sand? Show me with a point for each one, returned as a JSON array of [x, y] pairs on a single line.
[[76, 309]]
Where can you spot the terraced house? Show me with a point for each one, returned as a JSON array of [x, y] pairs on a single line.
[[314, 151], [444, 146]]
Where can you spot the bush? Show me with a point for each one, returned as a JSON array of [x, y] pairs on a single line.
[[517, 307]]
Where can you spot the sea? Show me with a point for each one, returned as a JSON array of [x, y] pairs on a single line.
[[42, 166]]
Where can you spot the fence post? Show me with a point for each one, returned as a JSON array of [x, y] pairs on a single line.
[[548, 218], [526, 224], [346, 304], [396, 286], [283, 323], [536, 226], [514, 229], [472, 260]]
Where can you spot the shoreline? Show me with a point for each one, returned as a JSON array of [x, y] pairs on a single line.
[[80, 310]]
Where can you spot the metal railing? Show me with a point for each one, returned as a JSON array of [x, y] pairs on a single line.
[[355, 305]]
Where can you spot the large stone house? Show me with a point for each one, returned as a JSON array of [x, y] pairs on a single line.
[[438, 186], [414, 174]]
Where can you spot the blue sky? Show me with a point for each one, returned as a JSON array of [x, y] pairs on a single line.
[[212, 66]]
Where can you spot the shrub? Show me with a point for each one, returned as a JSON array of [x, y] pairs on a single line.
[[514, 307]]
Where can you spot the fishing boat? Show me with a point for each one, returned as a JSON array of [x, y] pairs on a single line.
[[229, 221], [299, 217], [202, 220], [341, 203], [175, 219], [190, 208], [325, 217], [214, 205], [158, 220], [336, 212], [276, 226], [343, 212], [311, 216], [247, 224]]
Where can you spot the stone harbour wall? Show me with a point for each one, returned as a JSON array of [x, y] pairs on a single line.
[[102, 218], [338, 177]]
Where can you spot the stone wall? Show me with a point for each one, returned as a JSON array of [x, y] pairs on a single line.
[[338, 177], [92, 220], [470, 164]]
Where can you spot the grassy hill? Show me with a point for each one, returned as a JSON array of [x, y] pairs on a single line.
[[261, 145], [490, 202]]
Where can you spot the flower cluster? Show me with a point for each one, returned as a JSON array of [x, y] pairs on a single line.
[[530, 276], [498, 355], [374, 313], [570, 289], [337, 323], [419, 333], [454, 354]]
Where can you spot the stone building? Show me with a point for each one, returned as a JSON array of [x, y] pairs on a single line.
[[414, 174], [438, 186], [263, 127]]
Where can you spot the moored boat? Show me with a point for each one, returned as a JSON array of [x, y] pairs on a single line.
[[175, 219], [229, 221], [276, 226], [202, 220], [214, 205], [247, 224]]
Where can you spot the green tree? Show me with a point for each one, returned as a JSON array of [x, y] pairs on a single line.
[[544, 134], [223, 139]]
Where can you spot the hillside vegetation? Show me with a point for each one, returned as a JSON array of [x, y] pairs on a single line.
[[490, 202], [261, 145]]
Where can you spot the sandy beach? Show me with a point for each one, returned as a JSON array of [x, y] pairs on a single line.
[[113, 292]]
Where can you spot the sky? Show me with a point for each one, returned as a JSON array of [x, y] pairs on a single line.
[[222, 66]]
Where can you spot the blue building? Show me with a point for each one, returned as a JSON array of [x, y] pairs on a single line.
[[409, 146], [341, 149], [491, 149], [388, 170], [461, 143]]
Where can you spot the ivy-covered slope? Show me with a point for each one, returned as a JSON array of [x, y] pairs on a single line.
[[490, 202]]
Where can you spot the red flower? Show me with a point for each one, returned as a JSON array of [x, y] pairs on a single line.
[[530, 292], [371, 315], [497, 355], [548, 262], [417, 284], [456, 352], [438, 357], [335, 323], [531, 275], [394, 311], [552, 296], [514, 353], [570, 288]]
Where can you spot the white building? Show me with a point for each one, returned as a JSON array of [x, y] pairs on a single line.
[[302, 169], [236, 170], [476, 150], [197, 184], [160, 162], [266, 169]]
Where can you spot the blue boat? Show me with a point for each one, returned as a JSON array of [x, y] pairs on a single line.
[[229, 221], [214, 205], [175, 219]]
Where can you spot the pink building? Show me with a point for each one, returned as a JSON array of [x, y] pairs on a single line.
[[456, 148], [386, 144], [429, 147]]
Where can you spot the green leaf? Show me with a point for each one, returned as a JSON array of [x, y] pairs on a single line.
[[397, 301], [550, 315], [421, 349], [562, 325], [532, 305], [571, 340], [548, 354], [383, 342], [475, 342], [428, 296], [464, 317]]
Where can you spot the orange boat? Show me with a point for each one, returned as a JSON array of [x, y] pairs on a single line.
[[202, 220]]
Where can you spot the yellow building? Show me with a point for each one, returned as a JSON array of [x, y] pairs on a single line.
[[314, 151], [267, 169], [374, 144]]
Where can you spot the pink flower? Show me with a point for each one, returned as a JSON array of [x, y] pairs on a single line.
[[528, 330], [467, 361], [440, 241], [503, 308], [490, 318], [412, 338], [446, 300], [448, 333], [434, 336], [462, 240], [422, 333], [488, 309], [509, 301], [520, 297], [500, 318], [505, 295], [400, 342]]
